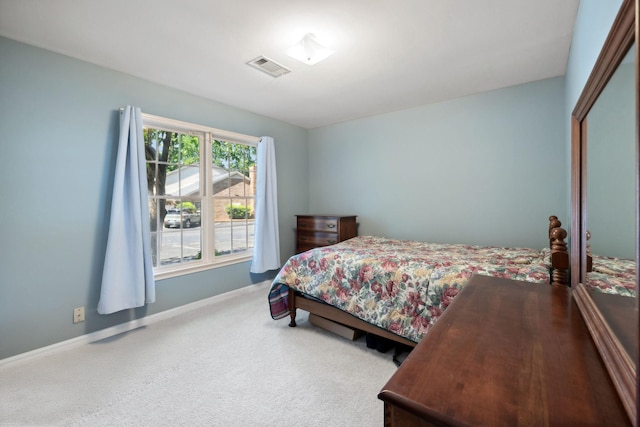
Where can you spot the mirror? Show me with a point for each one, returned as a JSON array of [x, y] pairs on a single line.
[[604, 202], [610, 201]]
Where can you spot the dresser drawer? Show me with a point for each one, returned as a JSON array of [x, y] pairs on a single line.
[[316, 238], [317, 224]]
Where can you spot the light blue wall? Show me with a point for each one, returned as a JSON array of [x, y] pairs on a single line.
[[611, 167], [483, 169], [58, 131], [593, 22]]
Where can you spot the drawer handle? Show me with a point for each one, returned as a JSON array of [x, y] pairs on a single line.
[[303, 224], [302, 239], [331, 226], [331, 242]]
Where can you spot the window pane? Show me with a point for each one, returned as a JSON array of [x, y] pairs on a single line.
[[171, 185], [253, 176], [237, 182], [170, 243], [220, 178], [222, 226], [192, 244], [173, 169], [189, 148], [180, 245], [151, 178], [189, 180], [240, 235], [223, 238], [220, 168], [234, 192], [151, 143]]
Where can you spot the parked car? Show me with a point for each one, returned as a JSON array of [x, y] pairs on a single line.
[[187, 218]]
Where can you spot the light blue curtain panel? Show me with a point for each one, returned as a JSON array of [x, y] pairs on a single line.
[[127, 278], [266, 250]]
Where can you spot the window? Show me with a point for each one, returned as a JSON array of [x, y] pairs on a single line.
[[202, 187]]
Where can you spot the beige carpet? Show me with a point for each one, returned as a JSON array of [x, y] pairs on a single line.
[[226, 364]]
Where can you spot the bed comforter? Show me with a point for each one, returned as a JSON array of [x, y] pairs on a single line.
[[399, 285], [613, 276]]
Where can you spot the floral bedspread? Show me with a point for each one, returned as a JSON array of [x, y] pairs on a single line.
[[400, 285], [613, 276]]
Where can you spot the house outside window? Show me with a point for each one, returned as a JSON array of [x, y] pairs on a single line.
[[202, 188]]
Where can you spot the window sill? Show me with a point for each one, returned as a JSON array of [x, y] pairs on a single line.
[[176, 272]]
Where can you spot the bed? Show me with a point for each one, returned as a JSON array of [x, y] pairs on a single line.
[[397, 289], [611, 275]]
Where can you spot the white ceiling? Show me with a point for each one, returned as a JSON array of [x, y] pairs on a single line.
[[390, 54]]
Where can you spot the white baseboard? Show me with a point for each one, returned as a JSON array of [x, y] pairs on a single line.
[[128, 326]]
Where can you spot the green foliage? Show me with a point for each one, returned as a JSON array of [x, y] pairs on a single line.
[[187, 206], [177, 149], [234, 156], [237, 211], [186, 149]]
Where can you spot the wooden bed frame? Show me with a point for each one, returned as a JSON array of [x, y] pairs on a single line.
[[296, 300]]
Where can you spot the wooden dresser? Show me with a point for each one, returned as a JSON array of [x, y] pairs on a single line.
[[505, 353], [313, 231]]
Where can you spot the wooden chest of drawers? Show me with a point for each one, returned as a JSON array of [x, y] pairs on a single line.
[[313, 231]]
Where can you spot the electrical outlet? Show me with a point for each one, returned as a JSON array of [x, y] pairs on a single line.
[[78, 314]]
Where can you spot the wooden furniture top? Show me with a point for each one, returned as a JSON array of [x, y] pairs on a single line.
[[622, 317], [507, 353]]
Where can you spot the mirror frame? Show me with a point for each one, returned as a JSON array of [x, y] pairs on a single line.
[[618, 362]]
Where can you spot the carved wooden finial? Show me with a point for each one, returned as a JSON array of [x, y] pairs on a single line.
[[559, 251], [557, 236], [554, 222]]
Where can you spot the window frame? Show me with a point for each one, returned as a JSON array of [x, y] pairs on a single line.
[[208, 229]]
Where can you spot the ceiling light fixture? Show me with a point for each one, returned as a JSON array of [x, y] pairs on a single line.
[[309, 51]]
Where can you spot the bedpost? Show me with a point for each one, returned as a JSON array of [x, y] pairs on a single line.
[[589, 257], [559, 254], [554, 222], [291, 300]]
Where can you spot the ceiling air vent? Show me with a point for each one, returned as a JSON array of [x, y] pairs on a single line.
[[269, 66]]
